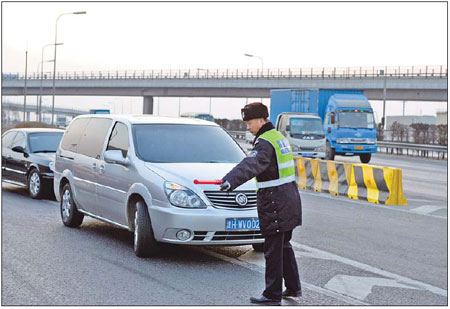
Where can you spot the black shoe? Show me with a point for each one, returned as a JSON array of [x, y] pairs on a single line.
[[290, 293], [262, 300]]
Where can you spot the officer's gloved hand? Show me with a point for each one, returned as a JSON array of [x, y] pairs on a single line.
[[225, 186]]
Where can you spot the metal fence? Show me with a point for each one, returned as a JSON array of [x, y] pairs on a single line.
[[421, 150], [438, 71], [397, 148]]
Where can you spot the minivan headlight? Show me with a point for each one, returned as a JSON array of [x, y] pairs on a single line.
[[182, 197], [371, 141]]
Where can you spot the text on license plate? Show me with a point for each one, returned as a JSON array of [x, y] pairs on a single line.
[[241, 224], [359, 147]]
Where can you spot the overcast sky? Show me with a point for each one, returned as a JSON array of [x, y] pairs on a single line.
[[146, 36]]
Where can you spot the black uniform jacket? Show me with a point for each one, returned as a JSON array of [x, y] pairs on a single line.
[[279, 208]]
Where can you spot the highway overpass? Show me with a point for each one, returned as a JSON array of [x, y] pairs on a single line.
[[425, 83]]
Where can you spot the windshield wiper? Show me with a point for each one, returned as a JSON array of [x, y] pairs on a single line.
[[44, 151]]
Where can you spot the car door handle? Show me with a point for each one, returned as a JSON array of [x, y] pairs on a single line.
[[94, 166], [102, 169]]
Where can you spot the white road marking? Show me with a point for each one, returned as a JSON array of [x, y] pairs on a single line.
[[400, 279], [367, 204], [426, 209], [360, 287], [255, 261]]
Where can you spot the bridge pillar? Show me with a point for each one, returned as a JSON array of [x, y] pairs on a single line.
[[147, 107]]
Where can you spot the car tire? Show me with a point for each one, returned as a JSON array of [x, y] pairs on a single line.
[[145, 244], [258, 247], [35, 184], [329, 152], [365, 157], [70, 215]]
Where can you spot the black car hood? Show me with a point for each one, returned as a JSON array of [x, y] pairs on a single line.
[[45, 156]]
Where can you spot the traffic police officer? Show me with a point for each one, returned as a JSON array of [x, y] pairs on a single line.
[[278, 201]]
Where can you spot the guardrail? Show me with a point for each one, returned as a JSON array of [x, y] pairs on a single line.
[[238, 134], [438, 71], [422, 150]]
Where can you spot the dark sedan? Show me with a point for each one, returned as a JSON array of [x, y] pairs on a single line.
[[28, 157]]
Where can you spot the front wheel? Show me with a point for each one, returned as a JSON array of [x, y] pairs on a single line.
[[35, 185], [329, 152], [258, 247], [145, 244], [365, 157], [70, 215]]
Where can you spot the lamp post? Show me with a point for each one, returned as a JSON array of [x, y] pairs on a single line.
[[25, 88], [54, 58], [262, 64], [42, 77]]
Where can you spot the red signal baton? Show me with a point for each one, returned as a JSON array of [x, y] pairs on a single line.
[[207, 182]]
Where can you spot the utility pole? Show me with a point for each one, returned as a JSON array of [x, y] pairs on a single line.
[[25, 88], [383, 121]]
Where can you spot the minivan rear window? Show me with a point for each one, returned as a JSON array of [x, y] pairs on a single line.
[[93, 138], [73, 134], [174, 143]]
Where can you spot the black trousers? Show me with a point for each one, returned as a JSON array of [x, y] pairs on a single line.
[[280, 263]]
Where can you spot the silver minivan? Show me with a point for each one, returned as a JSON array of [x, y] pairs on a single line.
[[138, 172]]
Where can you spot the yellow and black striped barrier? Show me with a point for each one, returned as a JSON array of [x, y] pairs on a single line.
[[376, 184]]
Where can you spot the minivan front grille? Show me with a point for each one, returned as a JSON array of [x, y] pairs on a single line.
[[237, 235], [228, 199], [202, 236]]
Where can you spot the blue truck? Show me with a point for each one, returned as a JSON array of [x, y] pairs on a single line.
[[347, 117]]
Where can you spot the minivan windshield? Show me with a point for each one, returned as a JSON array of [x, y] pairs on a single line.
[[300, 127], [356, 119], [44, 142], [175, 143]]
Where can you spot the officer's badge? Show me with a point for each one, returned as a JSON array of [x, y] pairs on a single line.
[[253, 153]]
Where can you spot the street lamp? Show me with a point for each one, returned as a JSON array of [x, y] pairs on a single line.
[[42, 76], [262, 62], [54, 58]]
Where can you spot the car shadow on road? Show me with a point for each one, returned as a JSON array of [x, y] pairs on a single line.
[[166, 252], [23, 191]]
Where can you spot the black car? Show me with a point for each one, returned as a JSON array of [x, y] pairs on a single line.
[[28, 157]]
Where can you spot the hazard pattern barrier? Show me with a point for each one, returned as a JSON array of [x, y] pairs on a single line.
[[376, 184]]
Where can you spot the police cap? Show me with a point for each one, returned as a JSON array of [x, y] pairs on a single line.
[[254, 110]]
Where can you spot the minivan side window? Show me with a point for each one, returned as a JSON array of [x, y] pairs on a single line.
[[19, 140], [119, 139], [8, 138], [93, 138], [73, 134]]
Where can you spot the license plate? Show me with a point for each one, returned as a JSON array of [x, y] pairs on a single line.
[[359, 147], [241, 224]]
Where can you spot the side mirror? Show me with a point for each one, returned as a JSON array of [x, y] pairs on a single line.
[[116, 157], [21, 150], [288, 128]]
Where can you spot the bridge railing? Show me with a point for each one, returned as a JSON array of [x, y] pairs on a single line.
[[438, 71]]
